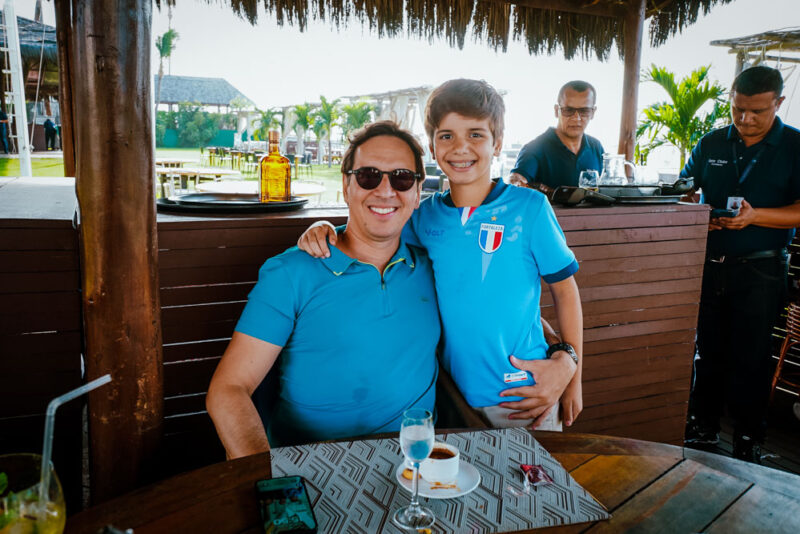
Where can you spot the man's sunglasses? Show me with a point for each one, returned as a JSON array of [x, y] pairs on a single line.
[[399, 179], [585, 113]]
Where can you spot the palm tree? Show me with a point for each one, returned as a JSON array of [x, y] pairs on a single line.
[[355, 116], [165, 45], [678, 123], [328, 114], [271, 119], [319, 130], [302, 113]]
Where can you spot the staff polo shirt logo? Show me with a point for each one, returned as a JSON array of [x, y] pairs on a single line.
[[490, 237]]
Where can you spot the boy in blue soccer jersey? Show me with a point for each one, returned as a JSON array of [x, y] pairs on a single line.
[[491, 244]]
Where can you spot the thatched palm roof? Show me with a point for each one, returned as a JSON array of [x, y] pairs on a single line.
[[31, 36], [204, 91], [576, 26]]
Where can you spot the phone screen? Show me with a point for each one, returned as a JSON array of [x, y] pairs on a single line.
[[284, 506]]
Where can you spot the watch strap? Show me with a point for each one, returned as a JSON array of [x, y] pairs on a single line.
[[566, 347]]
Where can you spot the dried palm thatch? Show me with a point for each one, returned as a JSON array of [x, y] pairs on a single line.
[[588, 27]]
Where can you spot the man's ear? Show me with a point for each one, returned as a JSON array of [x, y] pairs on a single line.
[[780, 101], [555, 110], [419, 193], [345, 181]]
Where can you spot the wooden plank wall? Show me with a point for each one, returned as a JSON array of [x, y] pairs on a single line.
[[40, 330], [207, 266], [639, 278]]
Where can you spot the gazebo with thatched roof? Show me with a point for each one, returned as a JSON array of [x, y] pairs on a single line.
[[105, 71]]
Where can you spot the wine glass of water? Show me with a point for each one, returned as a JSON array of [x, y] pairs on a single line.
[[416, 441]]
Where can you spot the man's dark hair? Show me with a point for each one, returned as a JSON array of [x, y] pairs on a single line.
[[579, 86], [757, 80], [475, 99], [359, 137]]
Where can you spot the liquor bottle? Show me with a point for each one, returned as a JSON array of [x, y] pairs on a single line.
[[275, 173]]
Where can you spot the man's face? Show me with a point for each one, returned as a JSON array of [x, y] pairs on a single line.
[[753, 115], [574, 111], [378, 215]]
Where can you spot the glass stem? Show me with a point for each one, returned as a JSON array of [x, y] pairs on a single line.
[[413, 507]]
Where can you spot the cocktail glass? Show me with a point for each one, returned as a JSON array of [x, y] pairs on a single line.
[[22, 510], [416, 441]]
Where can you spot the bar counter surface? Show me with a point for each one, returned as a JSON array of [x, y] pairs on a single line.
[[639, 278]]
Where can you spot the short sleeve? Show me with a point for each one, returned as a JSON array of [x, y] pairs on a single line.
[[694, 167], [555, 260], [409, 234], [527, 165], [269, 314]]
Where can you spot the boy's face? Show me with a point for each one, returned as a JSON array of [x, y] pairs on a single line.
[[464, 147]]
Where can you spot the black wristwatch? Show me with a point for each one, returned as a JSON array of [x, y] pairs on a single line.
[[566, 347]]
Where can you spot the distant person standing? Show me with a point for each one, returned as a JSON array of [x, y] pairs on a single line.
[[50, 134], [558, 156], [4, 130]]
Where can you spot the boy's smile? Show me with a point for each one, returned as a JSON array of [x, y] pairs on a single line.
[[464, 147]]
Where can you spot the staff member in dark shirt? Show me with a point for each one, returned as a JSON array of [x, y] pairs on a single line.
[[559, 155], [755, 165]]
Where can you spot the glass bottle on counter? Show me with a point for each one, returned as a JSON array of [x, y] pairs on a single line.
[[275, 173]]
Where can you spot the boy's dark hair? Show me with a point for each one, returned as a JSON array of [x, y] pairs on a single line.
[[470, 98], [757, 80], [579, 86], [359, 137]]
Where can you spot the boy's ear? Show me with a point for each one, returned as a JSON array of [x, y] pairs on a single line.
[[433, 152], [498, 145]]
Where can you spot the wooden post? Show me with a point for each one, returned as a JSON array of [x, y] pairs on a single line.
[[63, 11], [112, 102], [634, 25]]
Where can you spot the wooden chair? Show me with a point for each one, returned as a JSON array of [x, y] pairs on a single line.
[[788, 375]]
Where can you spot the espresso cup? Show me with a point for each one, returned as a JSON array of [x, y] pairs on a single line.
[[442, 465]]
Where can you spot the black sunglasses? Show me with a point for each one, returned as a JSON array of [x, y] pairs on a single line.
[[399, 179]]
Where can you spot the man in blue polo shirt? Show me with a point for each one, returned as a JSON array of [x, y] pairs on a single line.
[[558, 156], [753, 166], [355, 334]]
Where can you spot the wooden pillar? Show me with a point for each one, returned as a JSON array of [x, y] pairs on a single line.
[[112, 101], [63, 11], [634, 26]]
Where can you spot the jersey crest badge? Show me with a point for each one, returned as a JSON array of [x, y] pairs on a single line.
[[490, 237]]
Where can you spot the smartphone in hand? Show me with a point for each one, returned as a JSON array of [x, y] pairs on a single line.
[[716, 213], [284, 506]]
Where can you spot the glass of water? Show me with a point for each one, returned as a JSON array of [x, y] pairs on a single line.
[[416, 441], [588, 180]]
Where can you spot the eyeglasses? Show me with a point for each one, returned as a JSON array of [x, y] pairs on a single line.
[[399, 179], [585, 113]]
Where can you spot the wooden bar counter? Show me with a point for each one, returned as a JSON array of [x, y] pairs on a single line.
[[641, 267]]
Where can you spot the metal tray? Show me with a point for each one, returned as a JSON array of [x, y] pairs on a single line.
[[225, 203], [663, 199]]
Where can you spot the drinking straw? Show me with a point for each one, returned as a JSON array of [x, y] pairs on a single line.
[[49, 424]]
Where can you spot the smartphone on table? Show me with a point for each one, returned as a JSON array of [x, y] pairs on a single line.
[[284, 506]]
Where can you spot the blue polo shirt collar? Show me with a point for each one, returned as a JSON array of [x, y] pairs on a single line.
[[554, 139], [497, 190], [772, 138], [339, 262]]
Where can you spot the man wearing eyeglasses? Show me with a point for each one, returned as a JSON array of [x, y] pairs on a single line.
[[355, 334], [559, 155]]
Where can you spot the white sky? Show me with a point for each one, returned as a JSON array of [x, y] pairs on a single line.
[[276, 66]]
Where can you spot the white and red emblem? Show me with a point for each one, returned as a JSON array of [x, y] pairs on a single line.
[[490, 237]]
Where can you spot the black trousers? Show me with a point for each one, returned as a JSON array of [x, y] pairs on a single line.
[[50, 139], [739, 305]]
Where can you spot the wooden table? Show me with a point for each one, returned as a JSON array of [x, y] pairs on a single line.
[[647, 486], [174, 162]]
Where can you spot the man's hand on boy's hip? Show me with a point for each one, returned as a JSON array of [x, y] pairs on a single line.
[[551, 376]]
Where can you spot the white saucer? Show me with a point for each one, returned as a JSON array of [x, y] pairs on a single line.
[[467, 480]]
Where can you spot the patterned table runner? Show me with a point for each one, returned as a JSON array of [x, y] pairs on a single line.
[[353, 488]]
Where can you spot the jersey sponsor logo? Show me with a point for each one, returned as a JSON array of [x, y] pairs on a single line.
[[519, 376], [490, 237]]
